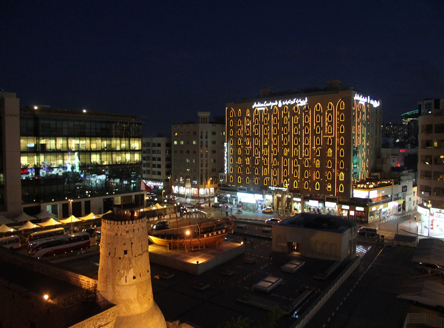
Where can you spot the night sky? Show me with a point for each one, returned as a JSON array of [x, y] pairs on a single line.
[[167, 60]]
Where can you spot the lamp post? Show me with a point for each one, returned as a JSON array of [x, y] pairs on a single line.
[[429, 206], [70, 213]]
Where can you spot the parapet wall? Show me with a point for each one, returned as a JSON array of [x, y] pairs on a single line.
[[48, 269]]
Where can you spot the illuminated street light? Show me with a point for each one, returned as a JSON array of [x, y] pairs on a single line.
[[46, 297]]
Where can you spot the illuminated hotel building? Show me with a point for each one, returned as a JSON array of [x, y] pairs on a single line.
[[198, 157], [304, 151], [70, 161]]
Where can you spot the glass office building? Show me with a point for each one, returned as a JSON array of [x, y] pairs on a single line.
[[77, 154]]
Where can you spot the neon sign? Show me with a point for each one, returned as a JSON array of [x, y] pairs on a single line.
[[280, 103], [362, 99]]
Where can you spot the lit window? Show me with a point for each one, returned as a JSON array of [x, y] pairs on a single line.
[[328, 186], [318, 163], [341, 164], [306, 174], [295, 184], [305, 185], [247, 180], [231, 178], [329, 164], [317, 185], [341, 188], [239, 179], [231, 122], [341, 176], [342, 117]]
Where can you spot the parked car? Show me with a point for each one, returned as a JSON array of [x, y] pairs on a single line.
[[368, 232], [430, 268], [267, 210], [161, 225], [273, 221], [217, 205]]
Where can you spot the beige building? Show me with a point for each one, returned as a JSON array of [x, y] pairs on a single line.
[[198, 157], [431, 172], [317, 236]]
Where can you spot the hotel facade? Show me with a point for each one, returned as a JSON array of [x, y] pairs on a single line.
[[301, 152]]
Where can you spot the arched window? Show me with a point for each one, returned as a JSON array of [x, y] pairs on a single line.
[[306, 163], [318, 129], [341, 129], [231, 142], [256, 180], [231, 160], [239, 151], [256, 161], [231, 112], [295, 184], [265, 171], [231, 169], [275, 120], [317, 175], [247, 170], [275, 131], [239, 179], [306, 119], [342, 117], [328, 186], [341, 140], [341, 152], [306, 130], [305, 185], [341, 176], [231, 122], [266, 181], [342, 105], [318, 163], [329, 118], [239, 160], [306, 174], [256, 171], [247, 180], [239, 169], [231, 151], [318, 151], [329, 129], [341, 188], [239, 142], [341, 164], [317, 185], [329, 152], [329, 175], [329, 164], [231, 132], [247, 161], [239, 113], [318, 118], [239, 122], [231, 178]]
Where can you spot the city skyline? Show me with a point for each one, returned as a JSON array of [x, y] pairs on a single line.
[[167, 61]]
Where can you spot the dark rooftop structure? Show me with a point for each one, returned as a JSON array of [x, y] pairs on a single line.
[[331, 223]]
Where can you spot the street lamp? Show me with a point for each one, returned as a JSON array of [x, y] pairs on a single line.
[[429, 206]]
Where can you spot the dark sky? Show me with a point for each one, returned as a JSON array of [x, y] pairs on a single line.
[[167, 60]]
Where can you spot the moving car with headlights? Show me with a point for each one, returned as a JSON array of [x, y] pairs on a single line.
[[273, 221], [267, 210]]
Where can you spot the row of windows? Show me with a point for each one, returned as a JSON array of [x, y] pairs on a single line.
[[76, 159], [65, 127], [295, 184], [285, 109], [78, 144]]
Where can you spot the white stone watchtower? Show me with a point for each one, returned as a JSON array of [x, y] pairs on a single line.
[[125, 274]]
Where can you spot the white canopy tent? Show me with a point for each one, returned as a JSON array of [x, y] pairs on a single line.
[[51, 222], [46, 215], [24, 217], [71, 219], [5, 228], [28, 226], [4, 220], [90, 216]]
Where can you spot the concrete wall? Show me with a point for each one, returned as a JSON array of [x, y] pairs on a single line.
[[319, 244], [48, 269]]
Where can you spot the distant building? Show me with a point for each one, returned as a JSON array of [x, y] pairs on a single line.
[[431, 170], [157, 163], [426, 106], [198, 157], [325, 237], [67, 161]]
